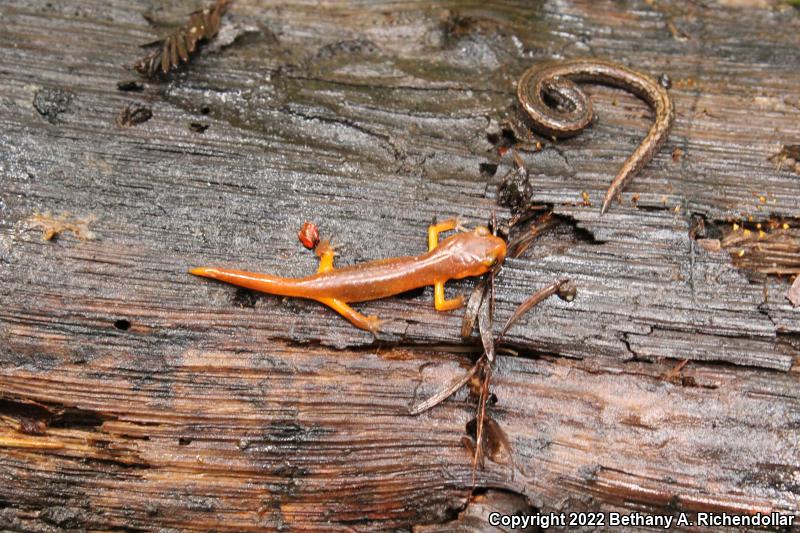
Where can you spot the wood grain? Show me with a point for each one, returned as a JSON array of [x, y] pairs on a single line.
[[205, 407]]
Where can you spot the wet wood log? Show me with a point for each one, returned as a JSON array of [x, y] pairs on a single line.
[[133, 396]]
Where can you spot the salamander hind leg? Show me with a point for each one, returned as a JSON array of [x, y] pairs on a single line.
[[439, 301], [369, 323], [435, 229], [325, 253]]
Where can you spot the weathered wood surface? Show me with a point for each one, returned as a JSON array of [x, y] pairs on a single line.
[[204, 407]]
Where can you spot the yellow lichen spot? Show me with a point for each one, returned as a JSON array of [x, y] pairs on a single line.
[[785, 225], [758, 226], [677, 209], [585, 197], [762, 199], [747, 232], [761, 234], [750, 218], [741, 253], [53, 226], [735, 226]]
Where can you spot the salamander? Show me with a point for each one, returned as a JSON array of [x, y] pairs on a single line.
[[555, 80], [464, 254]]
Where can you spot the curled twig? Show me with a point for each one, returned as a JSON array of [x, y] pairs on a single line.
[[534, 299]]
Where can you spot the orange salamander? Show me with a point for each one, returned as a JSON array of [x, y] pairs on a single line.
[[465, 254]]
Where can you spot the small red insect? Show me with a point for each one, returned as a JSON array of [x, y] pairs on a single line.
[[308, 235]]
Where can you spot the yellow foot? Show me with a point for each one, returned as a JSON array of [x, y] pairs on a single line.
[[374, 324]]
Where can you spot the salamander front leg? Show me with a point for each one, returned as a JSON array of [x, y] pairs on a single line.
[[369, 323], [435, 229], [439, 301]]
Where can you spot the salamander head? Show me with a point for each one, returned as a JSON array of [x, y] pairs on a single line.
[[474, 253]]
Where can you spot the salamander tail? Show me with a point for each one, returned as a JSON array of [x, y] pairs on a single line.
[[250, 280]]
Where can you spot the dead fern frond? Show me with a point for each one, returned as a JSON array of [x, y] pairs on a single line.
[[179, 46]]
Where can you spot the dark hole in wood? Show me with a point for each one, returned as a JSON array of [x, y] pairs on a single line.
[[508, 137], [75, 418], [245, 298], [184, 441], [205, 110], [21, 409], [504, 138], [488, 169], [130, 86], [198, 127], [122, 324]]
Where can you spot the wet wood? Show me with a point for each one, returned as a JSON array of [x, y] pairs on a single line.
[[204, 407]]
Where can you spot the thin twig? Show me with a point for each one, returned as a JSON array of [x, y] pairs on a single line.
[[486, 318], [445, 393], [472, 308], [484, 396]]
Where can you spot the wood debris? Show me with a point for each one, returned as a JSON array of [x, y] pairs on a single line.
[[53, 226]]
